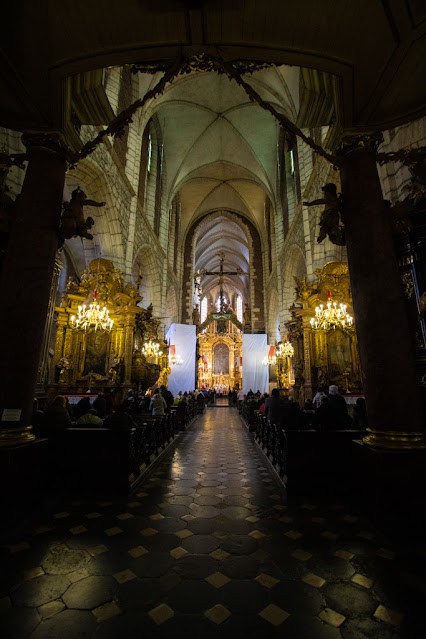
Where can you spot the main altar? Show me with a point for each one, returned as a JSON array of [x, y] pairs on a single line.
[[117, 354], [220, 348]]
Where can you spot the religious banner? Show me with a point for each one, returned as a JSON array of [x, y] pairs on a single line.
[[183, 338], [255, 374]]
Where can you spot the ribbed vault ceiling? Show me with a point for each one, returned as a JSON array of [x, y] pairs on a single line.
[[220, 153]]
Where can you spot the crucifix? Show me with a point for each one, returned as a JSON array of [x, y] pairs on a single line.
[[221, 273]]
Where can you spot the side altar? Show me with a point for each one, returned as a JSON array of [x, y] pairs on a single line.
[[220, 349], [111, 354], [323, 335]]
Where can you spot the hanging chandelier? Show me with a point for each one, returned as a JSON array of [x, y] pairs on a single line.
[[332, 316], [271, 358], [151, 349], [94, 317], [174, 360], [285, 349]]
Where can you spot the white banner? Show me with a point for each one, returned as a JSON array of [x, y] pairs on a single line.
[[183, 338], [255, 374]]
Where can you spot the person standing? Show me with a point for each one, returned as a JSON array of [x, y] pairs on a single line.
[[168, 397], [158, 404], [274, 407]]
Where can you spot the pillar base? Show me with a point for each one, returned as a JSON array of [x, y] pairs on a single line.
[[391, 489], [395, 440], [12, 437]]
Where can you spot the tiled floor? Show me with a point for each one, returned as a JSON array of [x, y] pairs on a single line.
[[208, 547]]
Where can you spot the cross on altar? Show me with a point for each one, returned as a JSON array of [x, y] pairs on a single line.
[[221, 273]]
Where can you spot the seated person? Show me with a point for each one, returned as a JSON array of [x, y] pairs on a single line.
[[360, 418], [293, 418], [100, 405], [90, 419], [274, 407], [57, 418], [263, 404], [333, 412], [119, 419], [37, 419], [82, 407], [144, 404], [309, 406]]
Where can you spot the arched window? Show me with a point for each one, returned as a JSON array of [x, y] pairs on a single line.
[[240, 309], [149, 153], [203, 313]]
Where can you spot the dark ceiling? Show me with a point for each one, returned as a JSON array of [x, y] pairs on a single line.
[[375, 47]]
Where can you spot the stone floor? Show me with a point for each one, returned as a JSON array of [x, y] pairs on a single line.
[[208, 545]]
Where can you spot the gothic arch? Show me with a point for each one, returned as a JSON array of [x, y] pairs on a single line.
[[273, 316], [295, 267], [150, 285], [170, 308], [107, 237], [255, 263]]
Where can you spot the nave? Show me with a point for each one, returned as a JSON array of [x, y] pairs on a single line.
[[208, 544]]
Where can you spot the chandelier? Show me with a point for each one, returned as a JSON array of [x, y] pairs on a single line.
[[285, 349], [93, 317], [151, 349], [331, 317], [271, 359]]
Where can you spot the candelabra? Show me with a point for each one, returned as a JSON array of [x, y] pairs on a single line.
[[285, 349], [151, 349], [330, 317], [92, 318]]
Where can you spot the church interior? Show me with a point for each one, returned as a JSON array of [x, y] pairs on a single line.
[[220, 197]]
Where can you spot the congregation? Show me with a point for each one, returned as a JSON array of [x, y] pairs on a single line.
[[102, 411], [326, 411]]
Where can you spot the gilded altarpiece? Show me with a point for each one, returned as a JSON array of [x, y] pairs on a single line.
[[220, 349], [323, 357], [98, 360]]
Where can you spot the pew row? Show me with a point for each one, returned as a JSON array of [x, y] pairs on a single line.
[[100, 459], [309, 461]]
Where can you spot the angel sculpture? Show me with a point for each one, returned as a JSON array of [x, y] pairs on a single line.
[[73, 223], [330, 217]]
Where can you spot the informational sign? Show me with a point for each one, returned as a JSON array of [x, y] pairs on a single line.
[[11, 415]]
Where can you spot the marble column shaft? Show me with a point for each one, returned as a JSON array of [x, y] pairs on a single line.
[[384, 342], [27, 275]]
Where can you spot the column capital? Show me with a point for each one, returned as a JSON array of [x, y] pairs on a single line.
[[360, 142], [49, 140]]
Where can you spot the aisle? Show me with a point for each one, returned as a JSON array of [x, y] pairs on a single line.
[[206, 547]]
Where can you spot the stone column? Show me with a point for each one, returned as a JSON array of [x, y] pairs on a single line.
[[385, 347], [307, 371], [128, 351], [43, 369], [25, 283]]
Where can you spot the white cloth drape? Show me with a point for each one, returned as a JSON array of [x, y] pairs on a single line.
[[255, 374], [182, 376]]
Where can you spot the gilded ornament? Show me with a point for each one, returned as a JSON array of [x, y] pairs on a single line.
[[408, 284]]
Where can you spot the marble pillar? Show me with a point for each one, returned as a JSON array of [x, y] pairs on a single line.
[[26, 283], [385, 345]]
